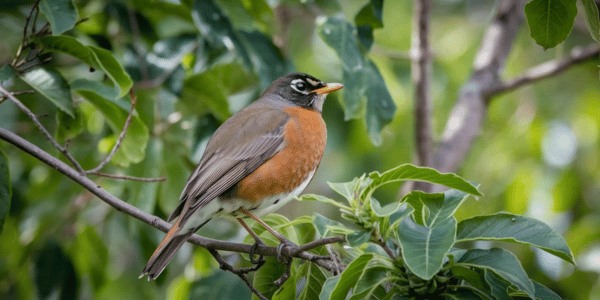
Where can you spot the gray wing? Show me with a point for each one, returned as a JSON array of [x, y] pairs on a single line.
[[238, 147]]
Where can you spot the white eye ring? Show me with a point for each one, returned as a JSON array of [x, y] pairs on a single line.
[[300, 86]]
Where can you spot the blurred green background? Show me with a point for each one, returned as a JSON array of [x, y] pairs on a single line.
[[538, 153]]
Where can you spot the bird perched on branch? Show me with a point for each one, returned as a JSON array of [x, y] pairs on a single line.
[[256, 162]]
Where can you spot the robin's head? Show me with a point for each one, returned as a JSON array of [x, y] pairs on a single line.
[[303, 90]]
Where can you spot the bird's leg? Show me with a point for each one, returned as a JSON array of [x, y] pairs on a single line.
[[257, 242], [284, 241]]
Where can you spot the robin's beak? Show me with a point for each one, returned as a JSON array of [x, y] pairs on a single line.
[[328, 88]]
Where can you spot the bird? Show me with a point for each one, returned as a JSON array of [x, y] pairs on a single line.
[[256, 161]]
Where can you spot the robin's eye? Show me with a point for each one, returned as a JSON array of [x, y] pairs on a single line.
[[300, 86]]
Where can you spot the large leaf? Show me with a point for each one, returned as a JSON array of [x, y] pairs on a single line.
[[61, 14], [115, 111], [517, 229], [54, 273], [266, 275], [544, 293], [315, 278], [267, 60], [411, 172], [592, 18], [371, 284], [424, 248], [502, 263], [50, 84], [221, 285], [350, 276], [7, 72], [90, 254], [204, 92], [5, 189], [216, 28], [434, 208], [97, 58], [550, 21], [361, 77]]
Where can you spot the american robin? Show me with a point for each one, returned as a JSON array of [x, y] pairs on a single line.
[[257, 161]]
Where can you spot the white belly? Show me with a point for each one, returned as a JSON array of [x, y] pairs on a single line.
[[229, 207]]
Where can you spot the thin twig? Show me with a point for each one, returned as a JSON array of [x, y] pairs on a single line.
[[127, 177], [117, 145], [152, 220], [17, 93], [547, 69], [421, 78], [43, 129], [224, 265]]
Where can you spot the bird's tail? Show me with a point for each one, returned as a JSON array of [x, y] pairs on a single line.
[[165, 252]]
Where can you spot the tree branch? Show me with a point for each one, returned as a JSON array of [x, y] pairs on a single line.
[[300, 251], [421, 78], [42, 129], [547, 69], [466, 118]]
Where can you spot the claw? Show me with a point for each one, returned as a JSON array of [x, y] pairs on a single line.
[[260, 258]]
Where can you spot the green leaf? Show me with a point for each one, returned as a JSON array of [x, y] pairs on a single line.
[[349, 190], [322, 199], [216, 28], [424, 248], [5, 189], [498, 286], [204, 91], [380, 105], [592, 18], [350, 276], [367, 19], [326, 227], [143, 194], [502, 263], [54, 273], [97, 58], [315, 278], [371, 284], [358, 238], [516, 229], [362, 79], [264, 277], [61, 14], [221, 285], [50, 84], [68, 127], [267, 60], [550, 21], [115, 111], [328, 287], [370, 14], [433, 208], [544, 293], [288, 289], [407, 172], [90, 255], [7, 72], [385, 210]]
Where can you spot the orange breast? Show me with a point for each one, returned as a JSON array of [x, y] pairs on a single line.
[[305, 139]]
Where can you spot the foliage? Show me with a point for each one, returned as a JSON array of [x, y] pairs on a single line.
[[420, 245], [190, 65]]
